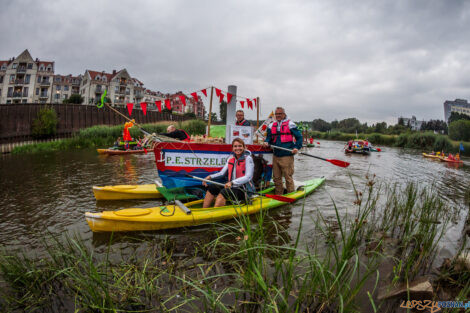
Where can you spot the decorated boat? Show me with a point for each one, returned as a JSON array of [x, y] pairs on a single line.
[[175, 160], [118, 151], [189, 214], [358, 146]]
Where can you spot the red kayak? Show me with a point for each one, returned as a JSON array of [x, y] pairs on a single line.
[[114, 152]]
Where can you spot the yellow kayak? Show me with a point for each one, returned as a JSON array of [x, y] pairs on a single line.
[[431, 156], [126, 192], [183, 215]]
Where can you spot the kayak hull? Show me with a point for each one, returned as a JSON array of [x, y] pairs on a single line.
[[172, 216], [116, 152], [357, 151], [431, 156], [126, 192], [451, 161]]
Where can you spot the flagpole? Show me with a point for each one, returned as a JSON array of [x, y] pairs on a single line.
[[257, 113], [210, 115]]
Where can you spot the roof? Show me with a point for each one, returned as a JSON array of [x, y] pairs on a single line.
[[3, 62], [93, 75]]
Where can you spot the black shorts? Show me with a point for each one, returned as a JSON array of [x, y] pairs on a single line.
[[234, 194]]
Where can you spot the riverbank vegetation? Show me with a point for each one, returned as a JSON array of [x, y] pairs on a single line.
[[252, 264], [105, 136]]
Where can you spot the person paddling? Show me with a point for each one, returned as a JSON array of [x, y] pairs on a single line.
[[238, 170]]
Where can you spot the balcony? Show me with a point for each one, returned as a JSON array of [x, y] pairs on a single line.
[[45, 83], [17, 94], [21, 69], [21, 82], [98, 90], [43, 95]]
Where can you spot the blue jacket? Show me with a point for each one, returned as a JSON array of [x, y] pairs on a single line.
[[289, 145]]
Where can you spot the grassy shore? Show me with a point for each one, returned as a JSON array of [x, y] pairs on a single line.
[[105, 136], [249, 265], [426, 141]]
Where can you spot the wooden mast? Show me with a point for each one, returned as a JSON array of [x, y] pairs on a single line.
[[209, 118]]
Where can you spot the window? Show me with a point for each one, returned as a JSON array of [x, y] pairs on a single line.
[[12, 78], [39, 79], [10, 92], [25, 91], [66, 88], [48, 68], [98, 77], [57, 95], [104, 78], [4, 66], [41, 67], [30, 66], [37, 91], [14, 65], [8, 101], [57, 87], [116, 89], [27, 78], [0, 92], [1, 79], [24, 101], [57, 79], [64, 96]]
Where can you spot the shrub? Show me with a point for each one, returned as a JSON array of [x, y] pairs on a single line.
[[442, 143], [45, 125]]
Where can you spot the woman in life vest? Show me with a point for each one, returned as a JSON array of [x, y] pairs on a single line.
[[239, 173]]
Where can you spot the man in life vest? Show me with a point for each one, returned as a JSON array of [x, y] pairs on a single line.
[[179, 134], [283, 133], [240, 115], [126, 135]]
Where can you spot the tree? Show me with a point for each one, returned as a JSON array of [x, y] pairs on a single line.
[[380, 127], [321, 125], [460, 130], [75, 99], [189, 115], [401, 121], [223, 111], [45, 125], [213, 117], [165, 110], [455, 116]]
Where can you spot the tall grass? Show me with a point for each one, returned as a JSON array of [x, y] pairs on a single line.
[[103, 136], [249, 265]]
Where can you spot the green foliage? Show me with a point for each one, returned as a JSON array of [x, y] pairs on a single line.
[[223, 111], [45, 125], [455, 116], [194, 127], [460, 130], [321, 125], [213, 117], [436, 125], [442, 143], [74, 99], [189, 115]]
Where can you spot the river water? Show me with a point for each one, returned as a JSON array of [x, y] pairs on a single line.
[[49, 193]]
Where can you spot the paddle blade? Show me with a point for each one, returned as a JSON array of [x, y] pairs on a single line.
[[378, 149], [339, 163], [280, 198], [318, 143]]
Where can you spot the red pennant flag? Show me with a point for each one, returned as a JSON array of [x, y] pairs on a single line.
[[159, 105], [217, 92], [168, 104], [143, 105], [130, 106], [250, 104], [204, 91], [256, 102], [243, 104], [221, 97], [194, 94], [183, 99], [229, 97]]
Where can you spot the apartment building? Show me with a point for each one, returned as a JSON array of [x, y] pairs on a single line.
[[196, 107], [458, 105], [26, 80], [64, 86]]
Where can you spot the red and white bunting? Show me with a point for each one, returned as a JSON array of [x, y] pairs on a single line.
[[194, 94], [229, 97], [168, 104], [221, 97], [143, 105], [243, 104], [218, 92], [204, 91], [255, 101], [130, 106], [250, 104], [159, 105], [183, 99]]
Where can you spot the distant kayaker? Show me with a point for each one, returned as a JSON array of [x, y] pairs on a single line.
[[179, 134], [240, 115], [238, 170], [126, 135], [283, 133]]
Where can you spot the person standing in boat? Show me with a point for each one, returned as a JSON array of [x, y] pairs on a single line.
[[238, 170], [240, 115], [283, 133], [126, 135], [179, 134]]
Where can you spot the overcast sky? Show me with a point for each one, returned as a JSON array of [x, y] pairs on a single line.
[[374, 60]]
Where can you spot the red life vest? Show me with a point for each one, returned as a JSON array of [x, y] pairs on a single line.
[[188, 138], [240, 168], [240, 123], [286, 134]]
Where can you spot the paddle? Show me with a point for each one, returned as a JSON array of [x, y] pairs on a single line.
[[275, 197], [332, 161]]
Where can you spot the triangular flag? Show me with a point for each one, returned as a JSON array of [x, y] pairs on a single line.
[[243, 104], [130, 106], [256, 102], [221, 97], [194, 94], [250, 104], [168, 104], [204, 91], [217, 92], [143, 105], [159, 105], [183, 99], [229, 97]]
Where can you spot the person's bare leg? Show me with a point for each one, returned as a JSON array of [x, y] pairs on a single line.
[[220, 201], [208, 200]]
